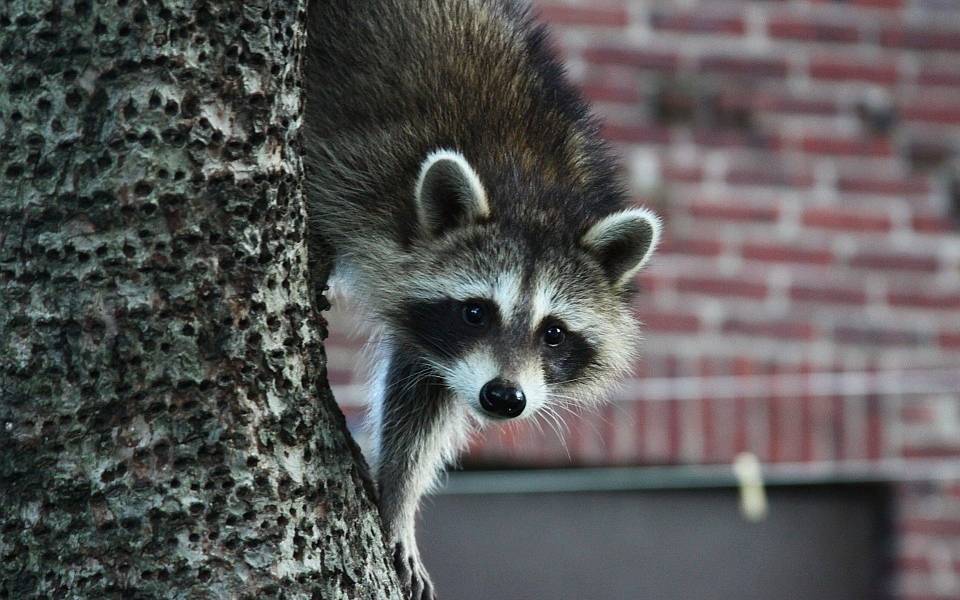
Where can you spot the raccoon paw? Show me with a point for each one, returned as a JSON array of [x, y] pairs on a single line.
[[413, 575]]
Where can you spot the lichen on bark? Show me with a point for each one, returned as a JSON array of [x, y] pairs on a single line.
[[165, 425]]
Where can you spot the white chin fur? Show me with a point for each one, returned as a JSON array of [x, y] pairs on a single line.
[[467, 376]]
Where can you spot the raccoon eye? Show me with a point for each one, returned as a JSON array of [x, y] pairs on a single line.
[[473, 314], [554, 336]]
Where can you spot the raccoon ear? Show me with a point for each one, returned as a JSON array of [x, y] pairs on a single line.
[[622, 242], [448, 193]]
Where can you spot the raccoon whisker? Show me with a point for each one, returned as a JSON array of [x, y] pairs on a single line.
[[407, 383], [559, 427], [440, 369], [576, 380], [562, 428], [571, 406], [537, 424]]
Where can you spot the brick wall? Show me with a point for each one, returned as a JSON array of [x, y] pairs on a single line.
[[804, 155]]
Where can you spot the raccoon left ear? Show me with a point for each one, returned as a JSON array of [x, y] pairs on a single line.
[[623, 242], [448, 193]]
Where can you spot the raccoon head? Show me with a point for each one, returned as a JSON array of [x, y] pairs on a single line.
[[516, 314]]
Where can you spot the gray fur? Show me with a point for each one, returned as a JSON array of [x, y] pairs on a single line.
[[530, 220]]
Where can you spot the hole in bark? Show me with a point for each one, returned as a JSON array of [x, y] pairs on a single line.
[[73, 98], [142, 188], [130, 109]]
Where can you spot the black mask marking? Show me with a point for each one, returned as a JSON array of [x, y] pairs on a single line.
[[569, 360], [438, 326]]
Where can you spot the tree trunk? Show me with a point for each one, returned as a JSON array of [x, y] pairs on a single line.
[[165, 424]]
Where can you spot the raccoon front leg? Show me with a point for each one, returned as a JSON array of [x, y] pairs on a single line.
[[418, 428]]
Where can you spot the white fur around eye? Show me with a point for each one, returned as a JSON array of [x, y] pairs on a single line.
[[469, 374]]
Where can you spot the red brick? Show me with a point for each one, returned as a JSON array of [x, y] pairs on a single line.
[[637, 134], [938, 76], [638, 59], [831, 218], [744, 67], [947, 114], [921, 39], [927, 154], [589, 16], [773, 329], [719, 138], [938, 451], [730, 211], [892, 4], [696, 22], [814, 31], [950, 340], [670, 322], [832, 69], [914, 563], [788, 254], [690, 246], [650, 283], [340, 376], [734, 139], [608, 92], [933, 224], [720, 286], [876, 336], [827, 295], [805, 106], [847, 146], [711, 455], [895, 262], [769, 176], [884, 187], [682, 174], [924, 299], [917, 414]]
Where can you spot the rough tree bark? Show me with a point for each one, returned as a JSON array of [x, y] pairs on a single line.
[[165, 425]]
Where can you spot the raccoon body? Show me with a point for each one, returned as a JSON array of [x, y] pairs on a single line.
[[477, 221]]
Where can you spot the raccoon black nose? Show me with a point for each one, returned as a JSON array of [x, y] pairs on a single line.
[[502, 398]]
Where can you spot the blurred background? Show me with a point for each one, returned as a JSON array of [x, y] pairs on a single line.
[[804, 307]]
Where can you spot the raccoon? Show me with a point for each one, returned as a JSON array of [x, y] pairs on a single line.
[[477, 221]]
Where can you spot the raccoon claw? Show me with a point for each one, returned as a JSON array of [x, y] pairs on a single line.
[[413, 576]]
